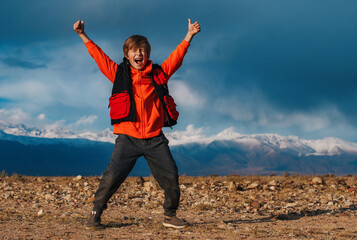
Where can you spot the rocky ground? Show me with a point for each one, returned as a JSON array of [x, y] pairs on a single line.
[[231, 207]]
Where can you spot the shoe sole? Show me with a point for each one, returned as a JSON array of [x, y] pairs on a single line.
[[173, 226], [95, 227]]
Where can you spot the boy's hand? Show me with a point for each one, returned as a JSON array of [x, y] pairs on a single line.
[[193, 28], [79, 26]]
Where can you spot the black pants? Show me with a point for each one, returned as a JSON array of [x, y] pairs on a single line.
[[162, 165]]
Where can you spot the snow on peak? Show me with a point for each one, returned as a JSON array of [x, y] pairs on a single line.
[[274, 142], [326, 146], [105, 136], [23, 130], [228, 134]]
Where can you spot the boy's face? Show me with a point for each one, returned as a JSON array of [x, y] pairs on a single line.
[[137, 57]]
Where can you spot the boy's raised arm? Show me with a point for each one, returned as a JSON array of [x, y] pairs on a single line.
[[193, 29], [107, 66], [175, 59], [79, 28]]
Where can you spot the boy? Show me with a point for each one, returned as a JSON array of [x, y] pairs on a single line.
[[139, 134]]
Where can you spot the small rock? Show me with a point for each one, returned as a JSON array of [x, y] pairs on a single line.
[[137, 200], [272, 183], [347, 203], [232, 186], [222, 226], [288, 182], [317, 181], [39, 180], [49, 197], [41, 212], [148, 186], [253, 185], [79, 177], [291, 205], [6, 195], [67, 197], [255, 204]]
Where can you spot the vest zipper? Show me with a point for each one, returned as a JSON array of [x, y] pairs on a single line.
[[141, 105]]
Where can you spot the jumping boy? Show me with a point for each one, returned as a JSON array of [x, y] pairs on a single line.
[[139, 129]]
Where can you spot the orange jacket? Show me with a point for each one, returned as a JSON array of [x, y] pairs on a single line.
[[149, 111]]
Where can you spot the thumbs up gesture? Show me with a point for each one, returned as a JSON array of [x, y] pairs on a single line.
[[193, 28]]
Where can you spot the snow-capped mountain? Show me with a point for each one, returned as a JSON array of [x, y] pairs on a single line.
[[23, 130], [253, 142], [256, 142], [51, 133], [61, 152], [104, 136]]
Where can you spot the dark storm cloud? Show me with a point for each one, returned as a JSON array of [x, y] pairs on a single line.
[[15, 62], [301, 55], [304, 56]]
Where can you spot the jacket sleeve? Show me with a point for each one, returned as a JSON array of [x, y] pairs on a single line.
[[107, 66], [174, 62]]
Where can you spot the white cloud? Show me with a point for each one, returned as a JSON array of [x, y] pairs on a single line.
[[189, 135], [18, 116], [14, 116], [185, 95], [257, 112], [31, 91], [69, 80], [86, 120], [197, 135], [314, 120], [307, 121], [55, 125], [41, 116]]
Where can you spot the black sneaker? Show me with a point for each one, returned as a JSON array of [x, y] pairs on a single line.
[[94, 220], [174, 222]]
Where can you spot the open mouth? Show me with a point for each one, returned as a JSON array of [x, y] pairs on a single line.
[[138, 60]]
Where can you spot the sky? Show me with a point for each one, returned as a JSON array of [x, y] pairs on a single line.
[[279, 66]]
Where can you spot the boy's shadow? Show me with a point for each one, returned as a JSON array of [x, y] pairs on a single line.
[[117, 225], [294, 215]]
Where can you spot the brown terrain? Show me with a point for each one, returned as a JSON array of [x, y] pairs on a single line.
[[231, 207]]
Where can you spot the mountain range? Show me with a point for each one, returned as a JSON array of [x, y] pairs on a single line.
[[50, 152]]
